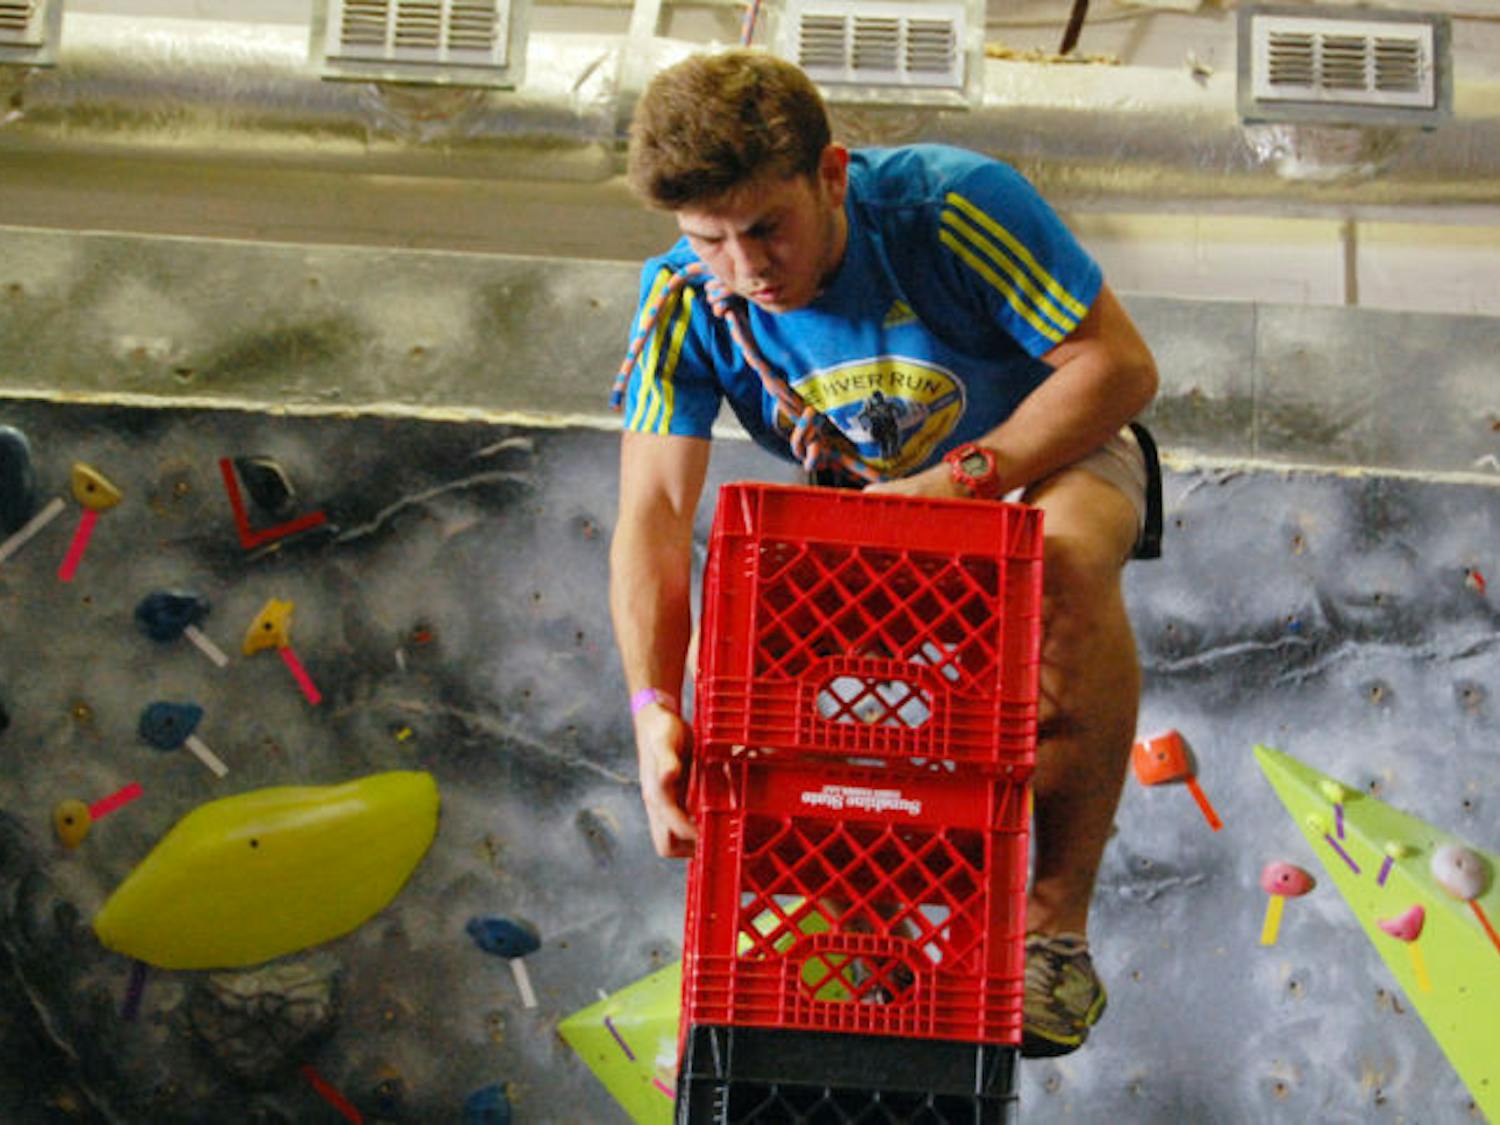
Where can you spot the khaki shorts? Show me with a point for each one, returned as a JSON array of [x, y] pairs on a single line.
[[1122, 463]]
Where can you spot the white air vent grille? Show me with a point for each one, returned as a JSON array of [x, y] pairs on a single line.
[[21, 23], [1364, 62], [466, 32], [870, 43]]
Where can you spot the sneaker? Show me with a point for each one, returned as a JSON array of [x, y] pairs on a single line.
[[1064, 997]]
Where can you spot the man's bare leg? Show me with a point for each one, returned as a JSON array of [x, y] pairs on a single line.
[[1090, 688]]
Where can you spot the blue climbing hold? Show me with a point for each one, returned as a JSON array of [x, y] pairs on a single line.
[[164, 614], [487, 1106], [17, 481], [167, 725], [504, 937]]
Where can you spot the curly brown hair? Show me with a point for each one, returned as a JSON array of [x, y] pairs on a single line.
[[713, 123]]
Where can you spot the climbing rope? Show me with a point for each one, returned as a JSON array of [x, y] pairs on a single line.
[[814, 442], [747, 26]]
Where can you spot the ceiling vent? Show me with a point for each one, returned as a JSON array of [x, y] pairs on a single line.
[[1343, 67], [449, 42], [886, 52], [29, 31]]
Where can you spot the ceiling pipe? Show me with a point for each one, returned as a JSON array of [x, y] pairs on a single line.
[[191, 90]]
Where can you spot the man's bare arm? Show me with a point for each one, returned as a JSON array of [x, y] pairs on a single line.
[[651, 558], [1103, 376]]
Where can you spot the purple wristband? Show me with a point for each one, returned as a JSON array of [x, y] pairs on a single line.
[[649, 695]]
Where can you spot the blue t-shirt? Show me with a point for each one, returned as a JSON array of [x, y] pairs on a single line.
[[957, 275]]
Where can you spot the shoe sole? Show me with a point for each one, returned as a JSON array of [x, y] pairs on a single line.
[[1040, 1045]]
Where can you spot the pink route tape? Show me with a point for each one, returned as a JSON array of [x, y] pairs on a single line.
[[664, 1088], [332, 1096], [80, 544], [299, 673], [106, 805]]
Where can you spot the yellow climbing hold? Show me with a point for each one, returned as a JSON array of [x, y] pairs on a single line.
[[1335, 792], [91, 489], [272, 627], [72, 821], [256, 876]]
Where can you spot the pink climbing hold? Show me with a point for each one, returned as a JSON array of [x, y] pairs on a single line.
[[1285, 879], [1406, 927]]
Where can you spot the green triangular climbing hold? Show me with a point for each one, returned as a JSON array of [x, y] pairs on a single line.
[[1380, 860], [629, 1041]]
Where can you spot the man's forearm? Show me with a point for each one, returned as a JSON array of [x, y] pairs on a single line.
[[1104, 376], [1071, 414], [651, 604]]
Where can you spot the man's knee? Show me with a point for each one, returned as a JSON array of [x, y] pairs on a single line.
[[1088, 647], [1086, 516]]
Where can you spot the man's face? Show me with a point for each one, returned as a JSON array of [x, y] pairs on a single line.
[[775, 241]]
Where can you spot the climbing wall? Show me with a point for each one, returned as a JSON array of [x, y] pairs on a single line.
[[450, 612]]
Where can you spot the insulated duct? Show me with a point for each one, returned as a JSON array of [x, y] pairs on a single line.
[[204, 91]]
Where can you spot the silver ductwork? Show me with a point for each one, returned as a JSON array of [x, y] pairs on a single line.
[[189, 90]]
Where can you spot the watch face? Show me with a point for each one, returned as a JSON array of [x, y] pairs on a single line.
[[975, 464]]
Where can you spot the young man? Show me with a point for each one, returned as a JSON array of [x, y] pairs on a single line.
[[926, 302]]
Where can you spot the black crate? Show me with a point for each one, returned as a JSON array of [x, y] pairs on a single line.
[[735, 1075]]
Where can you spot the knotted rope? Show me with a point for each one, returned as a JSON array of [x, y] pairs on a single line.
[[814, 441]]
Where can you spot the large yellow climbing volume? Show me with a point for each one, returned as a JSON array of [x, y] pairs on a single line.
[[245, 879]]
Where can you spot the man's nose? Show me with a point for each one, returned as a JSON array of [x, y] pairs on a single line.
[[750, 259]]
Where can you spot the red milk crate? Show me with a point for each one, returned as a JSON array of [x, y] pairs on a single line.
[[845, 623], [867, 901]]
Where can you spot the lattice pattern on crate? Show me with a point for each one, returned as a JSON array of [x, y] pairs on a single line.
[[760, 1102], [920, 891], [821, 600]]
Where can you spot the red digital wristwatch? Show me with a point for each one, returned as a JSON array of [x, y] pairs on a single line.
[[973, 468]]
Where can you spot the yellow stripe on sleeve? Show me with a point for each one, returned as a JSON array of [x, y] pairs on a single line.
[[982, 268], [646, 364], [653, 408], [1067, 299], [1038, 300], [660, 423]]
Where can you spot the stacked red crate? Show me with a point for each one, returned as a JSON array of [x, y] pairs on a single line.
[[865, 730]]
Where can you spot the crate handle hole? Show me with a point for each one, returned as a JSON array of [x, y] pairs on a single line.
[[844, 978], [874, 701]]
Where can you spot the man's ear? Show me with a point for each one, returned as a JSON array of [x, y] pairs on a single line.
[[833, 173]]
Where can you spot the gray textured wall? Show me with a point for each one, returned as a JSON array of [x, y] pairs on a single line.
[[1324, 613], [269, 326]]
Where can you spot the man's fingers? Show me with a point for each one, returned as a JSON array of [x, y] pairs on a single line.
[[672, 832], [662, 749]]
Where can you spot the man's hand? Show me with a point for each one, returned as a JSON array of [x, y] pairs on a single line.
[[662, 742], [936, 482]]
